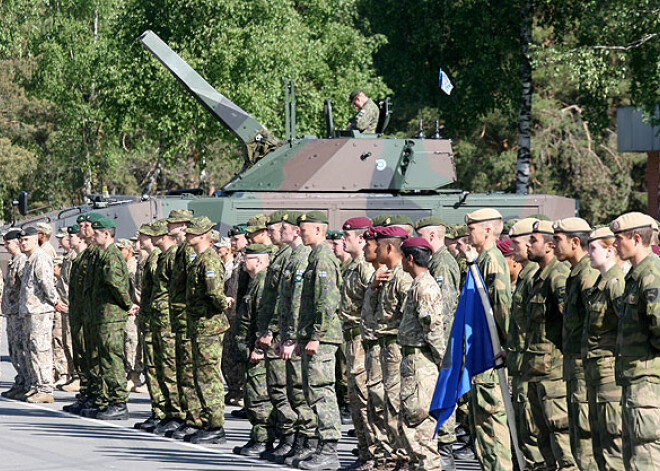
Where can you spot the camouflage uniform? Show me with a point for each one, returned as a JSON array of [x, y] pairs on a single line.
[[604, 395], [62, 350], [356, 280], [158, 403], [637, 366], [366, 119], [581, 279], [189, 399], [206, 325], [36, 304], [162, 336], [389, 311], [487, 414], [16, 335], [232, 368], [287, 312], [379, 446], [132, 338], [257, 401], [533, 451], [77, 310], [423, 338], [89, 332], [285, 417], [319, 303], [111, 300], [543, 361], [49, 250]]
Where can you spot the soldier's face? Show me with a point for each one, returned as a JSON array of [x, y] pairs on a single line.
[[476, 234], [536, 247], [13, 246], [381, 251], [29, 244], [352, 242], [311, 233], [598, 254], [519, 246], [86, 230], [64, 243], [275, 233], [451, 246], [288, 232], [462, 245], [370, 250], [238, 242], [625, 246], [563, 248]]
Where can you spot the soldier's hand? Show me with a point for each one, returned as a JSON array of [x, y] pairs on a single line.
[[59, 306], [265, 340], [382, 276], [501, 356], [288, 351], [471, 254], [230, 302], [312, 347], [133, 310], [256, 357]]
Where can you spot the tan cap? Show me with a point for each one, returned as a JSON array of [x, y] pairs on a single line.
[[124, 244], [44, 228], [571, 225], [482, 215], [63, 232], [523, 227], [601, 233], [223, 242], [629, 221], [543, 227], [58, 260], [215, 236]]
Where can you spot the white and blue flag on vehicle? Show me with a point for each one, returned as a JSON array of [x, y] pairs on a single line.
[[444, 83]]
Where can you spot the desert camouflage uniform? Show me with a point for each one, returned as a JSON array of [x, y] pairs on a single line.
[[49, 250], [637, 366], [206, 325], [598, 344], [284, 417], [158, 402], [232, 368], [16, 335], [36, 305], [257, 401], [389, 311], [366, 119], [287, 312], [379, 446], [533, 451], [62, 350], [580, 280], [318, 320], [163, 337], [188, 398], [132, 338], [487, 414], [543, 362], [111, 300], [423, 338], [356, 280]]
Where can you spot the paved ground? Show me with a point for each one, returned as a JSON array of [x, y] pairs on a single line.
[[35, 437]]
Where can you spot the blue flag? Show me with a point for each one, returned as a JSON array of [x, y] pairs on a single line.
[[470, 340], [444, 83]]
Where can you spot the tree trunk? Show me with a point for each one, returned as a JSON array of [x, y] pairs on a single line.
[[525, 112]]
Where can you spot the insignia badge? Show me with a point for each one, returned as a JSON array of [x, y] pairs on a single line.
[[210, 273], [323, 274], [192, 256], [347, 227], [285, 217], [615, 225], [303, 217], [381, 164], [555, 225], [388, 220]]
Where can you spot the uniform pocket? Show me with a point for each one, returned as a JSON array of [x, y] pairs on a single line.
[[613, 418], [413, 413]]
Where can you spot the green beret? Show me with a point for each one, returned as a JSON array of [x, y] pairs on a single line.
[[397, 220], [354, 93], [89, 217], [159, 228], [291, 217], [508, 225], [236, 230], [276, 217], [429, 221], [103, 223], [318, 217], [379, 220], [199, 226], [73, 229], [259, 249], [179, 215], [334, 235]]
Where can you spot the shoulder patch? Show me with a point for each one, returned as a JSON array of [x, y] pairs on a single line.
[[210, 273], [323, 274], [651, 295], [192, 256]]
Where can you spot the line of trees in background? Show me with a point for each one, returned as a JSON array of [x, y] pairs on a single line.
[[83, 107]]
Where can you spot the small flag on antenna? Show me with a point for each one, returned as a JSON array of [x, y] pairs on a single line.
[[444, 83]]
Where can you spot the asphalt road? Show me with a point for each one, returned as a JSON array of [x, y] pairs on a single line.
[[35, 437]]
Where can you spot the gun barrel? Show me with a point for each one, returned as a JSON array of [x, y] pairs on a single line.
[[232, 116]]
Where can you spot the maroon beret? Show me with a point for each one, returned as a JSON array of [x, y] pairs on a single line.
[[505, 247], [357, 223], [390, 231], [369, 234], [656, 249], [417, 242]]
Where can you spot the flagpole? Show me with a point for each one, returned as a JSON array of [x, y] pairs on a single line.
[[501, 374]]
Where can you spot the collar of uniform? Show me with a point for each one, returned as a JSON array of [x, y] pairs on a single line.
[[549, 268], [486, 253], [581, 266], [527, 270], [636, 272], [613, 273]]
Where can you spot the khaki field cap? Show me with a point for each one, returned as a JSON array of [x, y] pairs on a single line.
[[523, 227], [199, 226], [543, 227], [44, 228], [146, 229], [629, 221], [429, 221], [223, 242], [571, 225], [601, 233], [482, 215], [461, 231], [62, 233], [179, 215]]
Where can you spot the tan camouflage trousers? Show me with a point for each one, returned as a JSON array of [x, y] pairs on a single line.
[[547, 400], [17, 344], [606, 424], [62, 349], [641, 426], [578, 414], [488, 423], [418, 377], [536, 454], [306, 420], [39, 328], [356, 376], [390, 360], [133, 346], [318, 372], [376, 403]]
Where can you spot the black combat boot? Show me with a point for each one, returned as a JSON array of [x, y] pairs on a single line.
[[309, 447], [239, 413], [298, 445], [325, 457], [207, 436], [447, 457], [167, 426], [256, 448], [148, 425], [116, 411], [182, 432], [285, 445]]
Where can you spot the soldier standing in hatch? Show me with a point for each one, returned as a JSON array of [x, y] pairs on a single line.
[[366, 118], [206, 323], [487, 413]]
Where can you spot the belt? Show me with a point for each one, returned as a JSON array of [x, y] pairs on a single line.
[[387, 340], [350, 334], [369, 344], [406, 350]]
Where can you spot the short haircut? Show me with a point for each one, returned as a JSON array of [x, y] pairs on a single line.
[[393, 241], [583, 237], [646, 233], [111, 231], [421, 255]]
